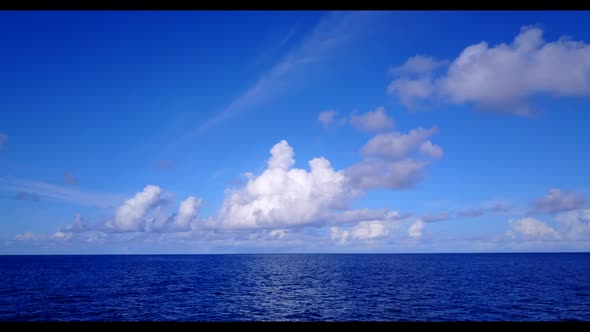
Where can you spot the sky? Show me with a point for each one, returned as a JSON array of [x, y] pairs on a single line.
[[294, 132]]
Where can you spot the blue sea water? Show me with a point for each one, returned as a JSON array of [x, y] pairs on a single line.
[[296, 287]]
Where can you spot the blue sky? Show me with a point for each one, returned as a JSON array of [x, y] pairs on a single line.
[[151, 132]]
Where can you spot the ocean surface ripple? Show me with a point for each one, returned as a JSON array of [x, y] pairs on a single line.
[[297, 287]]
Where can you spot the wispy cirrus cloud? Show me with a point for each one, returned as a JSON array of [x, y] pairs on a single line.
[[278, 46], [60, 193], [333, 31]]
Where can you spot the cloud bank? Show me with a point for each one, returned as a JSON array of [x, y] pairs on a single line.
[[281, 199]]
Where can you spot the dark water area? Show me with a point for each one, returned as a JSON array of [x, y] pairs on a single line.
[[297, 287]]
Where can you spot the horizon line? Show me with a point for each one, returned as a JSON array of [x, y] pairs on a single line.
[[315, 253]]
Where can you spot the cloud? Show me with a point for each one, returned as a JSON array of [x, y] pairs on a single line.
[[26, 196], [339, 235], [271, 205], [3, 139], [410, 91], [278, 233], [436, 217], [79, 225], [188, 210], [327, 118], [66, 194], [395, 146], [356, 216], [129, 216], [531, 228], [334, 30], [419, 64], [283, 196], [379, 174], [431, 150], [28, 236], [364, 224], [59, 235], [145, 212], [273, 49], [389, 161], [148, 211], [372, 121], [501, 78], [415, 81], [444, 216], [477, 212], [471, 212], [575, 224], [415, 231], [364, 230], [70, 178], [371, 230], [558, 201]]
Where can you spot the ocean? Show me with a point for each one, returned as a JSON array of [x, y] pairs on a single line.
[[297, 287]]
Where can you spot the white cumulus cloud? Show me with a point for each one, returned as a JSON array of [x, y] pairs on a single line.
[[284, 196], [188, 209], [129, 216], [502, 77], [415, 231], [364, 230], [278, 201], [390, 160], [371, 230]]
